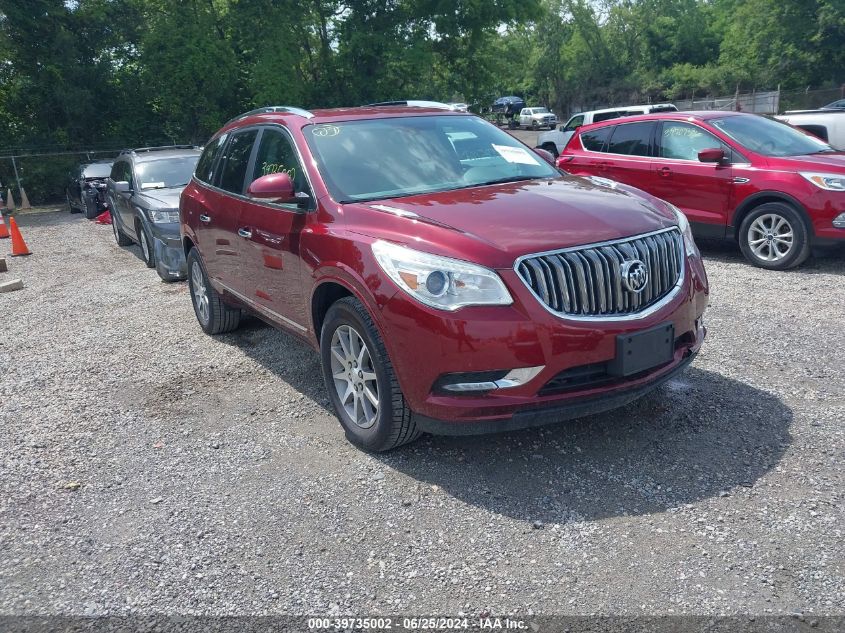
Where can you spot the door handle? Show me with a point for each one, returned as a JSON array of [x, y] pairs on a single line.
[[245, 233], [665, 172], [205, 218]]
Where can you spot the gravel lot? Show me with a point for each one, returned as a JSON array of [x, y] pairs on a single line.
[[146, 467]]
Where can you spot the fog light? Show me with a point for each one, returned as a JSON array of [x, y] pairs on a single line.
[[839, 221], [484, 381]]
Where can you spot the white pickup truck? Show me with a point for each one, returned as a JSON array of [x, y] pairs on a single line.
[[535, 118], [828, 125], [554, 141]]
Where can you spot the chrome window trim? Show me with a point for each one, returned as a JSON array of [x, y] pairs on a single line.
[[670, 296], [272, 205]]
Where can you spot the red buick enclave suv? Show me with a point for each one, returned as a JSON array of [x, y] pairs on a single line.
[[451, 280], [775, 189]]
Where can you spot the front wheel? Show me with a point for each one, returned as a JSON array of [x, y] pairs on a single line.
[[360, 380], [774, 236], [550, 147], [534, 126], [119, 236], [146, 244]]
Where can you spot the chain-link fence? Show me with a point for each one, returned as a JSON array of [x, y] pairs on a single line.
[[44, 176]]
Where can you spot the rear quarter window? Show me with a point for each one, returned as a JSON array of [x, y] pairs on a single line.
[[596, 140]]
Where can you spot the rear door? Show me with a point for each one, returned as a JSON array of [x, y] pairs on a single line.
[[629, 153], [270, 233], [701, 190]]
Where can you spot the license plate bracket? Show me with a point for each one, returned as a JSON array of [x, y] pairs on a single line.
[[640, 351]]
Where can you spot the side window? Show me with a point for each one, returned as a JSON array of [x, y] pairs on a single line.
[[632, 139], [205, 164], [683, 141], [116, 171], [596, 140], [524, 111], [574, 123], [816, 130], [276, 155], [236, 160], [607, 116]]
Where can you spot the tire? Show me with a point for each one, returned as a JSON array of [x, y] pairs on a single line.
[[90, 208], [214, 316], [774, 236], [70, 207], [146, 244], [390, 423], [550, 147], [534, 126], [119, 236]]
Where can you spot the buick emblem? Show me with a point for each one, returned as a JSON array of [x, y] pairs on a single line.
[[634, 275]]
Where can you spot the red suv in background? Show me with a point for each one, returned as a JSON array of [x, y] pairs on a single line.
[[777, 190], [451, 280]]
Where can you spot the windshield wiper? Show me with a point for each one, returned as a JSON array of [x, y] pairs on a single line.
[[499, 181]]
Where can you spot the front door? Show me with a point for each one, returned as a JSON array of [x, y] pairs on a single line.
[[218, 222], [701, 190], [270, 234]]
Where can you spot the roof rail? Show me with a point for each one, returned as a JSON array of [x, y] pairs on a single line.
[[413, 103], [138, 150], [270, 110]]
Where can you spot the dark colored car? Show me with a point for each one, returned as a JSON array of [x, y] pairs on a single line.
[[143, 191], [86, 188], [450, 279], [776, 190], [510, 107]]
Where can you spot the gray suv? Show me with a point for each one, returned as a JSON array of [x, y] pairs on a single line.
[[143, 191]]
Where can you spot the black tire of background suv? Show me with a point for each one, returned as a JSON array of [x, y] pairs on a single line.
[[801, 247], [395, 423], [550, 147], [222, 318], [119, 236], [140, 230], [90, 208]]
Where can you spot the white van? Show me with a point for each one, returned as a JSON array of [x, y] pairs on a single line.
[[828, 125], [555, 140]]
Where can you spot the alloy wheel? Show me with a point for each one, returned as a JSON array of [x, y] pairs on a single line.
[[145, 247], [771, 237], [200, 292], [354, 377]]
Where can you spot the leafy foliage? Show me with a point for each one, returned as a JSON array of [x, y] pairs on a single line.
[[111, 73]]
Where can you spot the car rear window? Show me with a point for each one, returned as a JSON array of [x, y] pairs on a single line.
[[595, 140]]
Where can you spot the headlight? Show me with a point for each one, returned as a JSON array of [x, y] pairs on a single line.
[[163, 216], [440, 282], [683, 224], [831, 182]]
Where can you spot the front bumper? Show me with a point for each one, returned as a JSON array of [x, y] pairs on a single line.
[[424, 344], [169, 254]]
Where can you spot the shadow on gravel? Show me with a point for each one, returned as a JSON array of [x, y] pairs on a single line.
[[699, 436], [290, 358], [826, 261]]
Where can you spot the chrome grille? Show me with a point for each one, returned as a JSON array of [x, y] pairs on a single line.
[[587, 281]]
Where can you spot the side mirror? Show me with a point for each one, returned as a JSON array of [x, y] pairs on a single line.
[[546, 155], [122, 186], [712, 155], [273, 188]]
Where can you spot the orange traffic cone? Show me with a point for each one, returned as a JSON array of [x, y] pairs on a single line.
[[18, 245], [4, 232]]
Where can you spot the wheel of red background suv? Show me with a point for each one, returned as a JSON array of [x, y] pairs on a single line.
[[214, 316], [360, 380], [774, 236]]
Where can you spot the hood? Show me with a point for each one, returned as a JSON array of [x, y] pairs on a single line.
[[494, 224], [833, 162], [167, 198]]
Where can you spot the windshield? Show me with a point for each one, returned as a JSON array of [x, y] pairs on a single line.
[[540, 111], [96, 170], [388, 158], [166, 172], [769, 137]]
